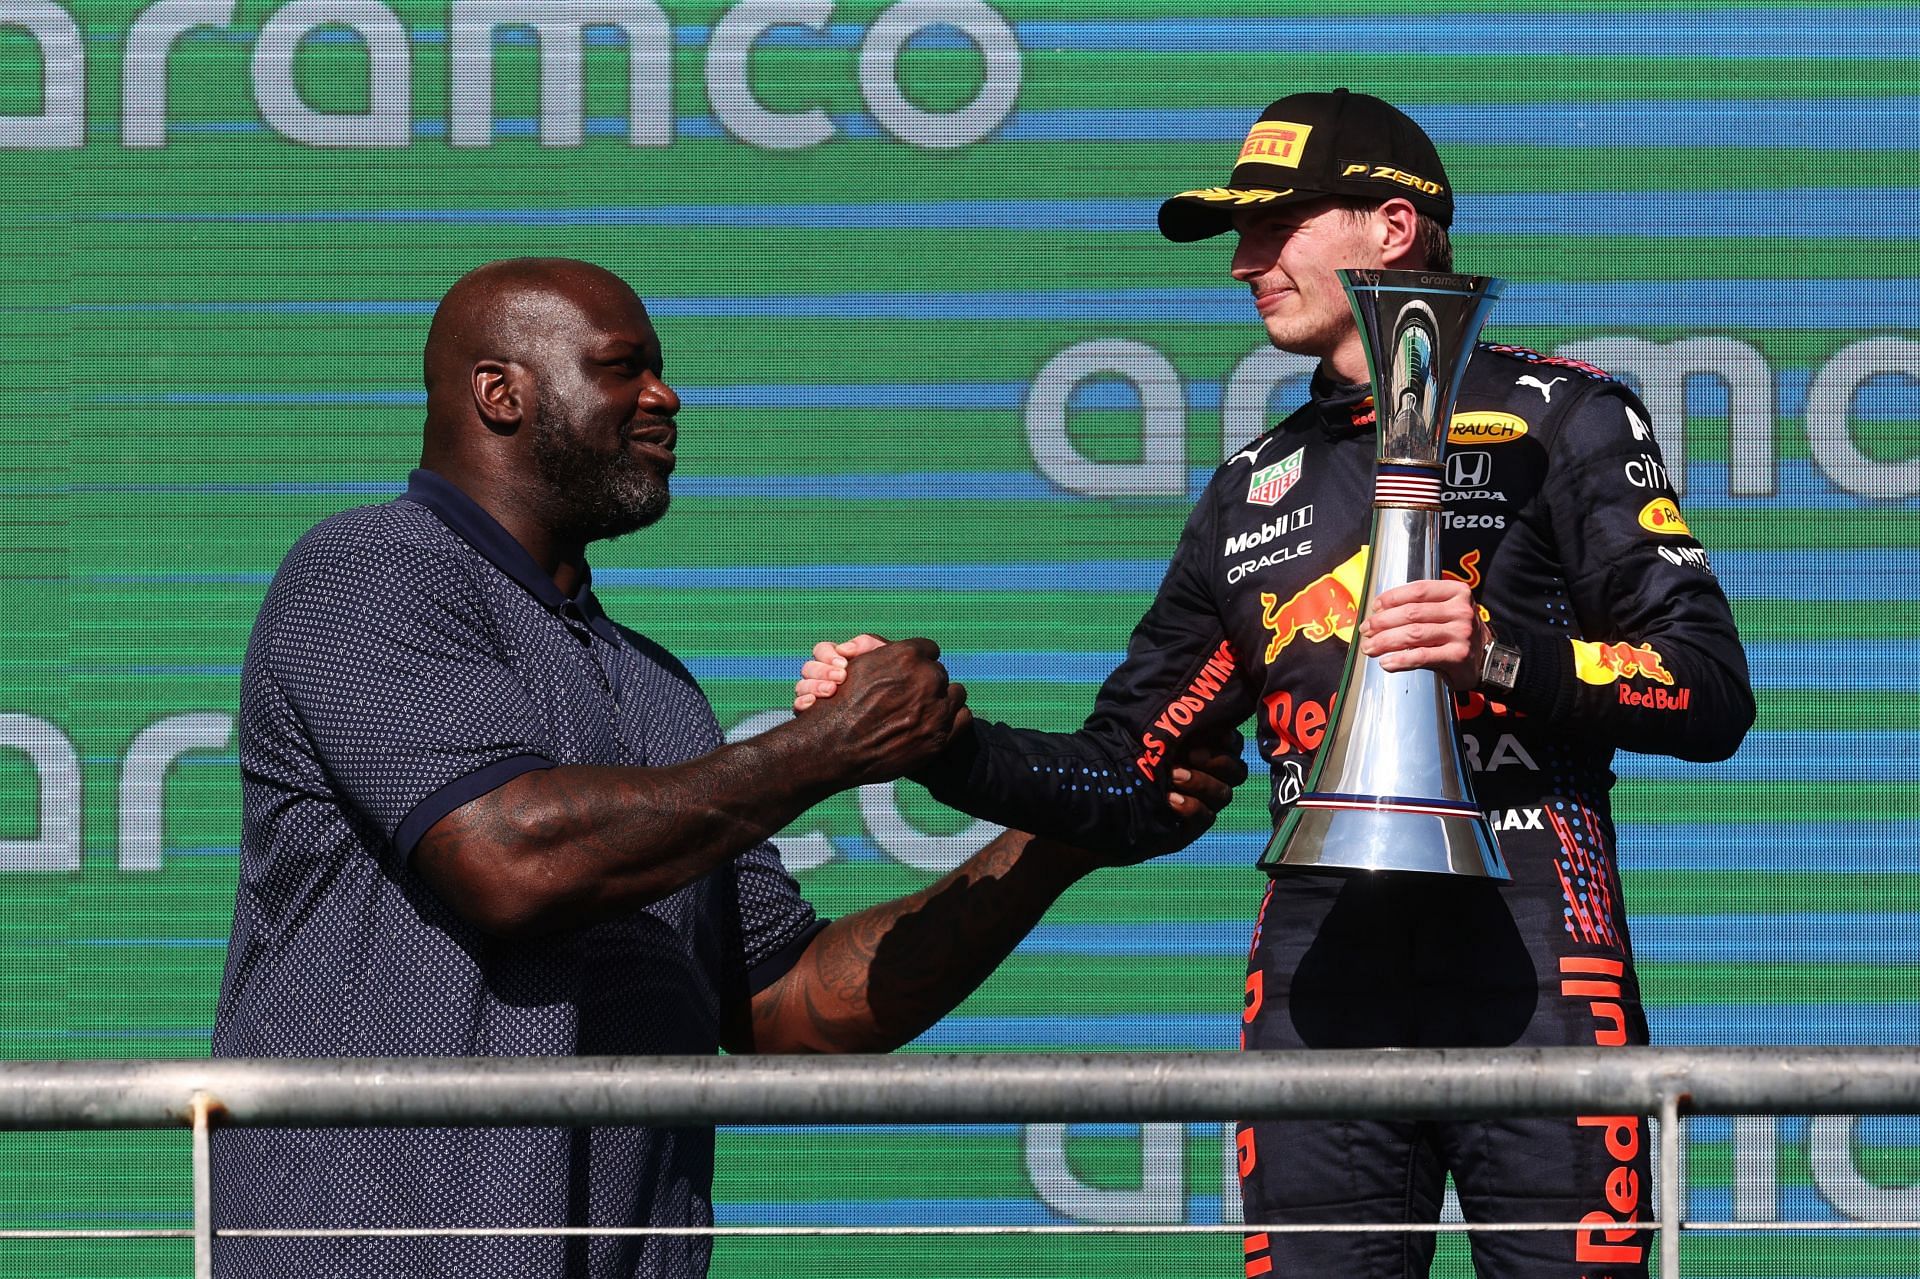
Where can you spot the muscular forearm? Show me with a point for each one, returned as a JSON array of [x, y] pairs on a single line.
[[872, 981], [571, 846], [565, 847]]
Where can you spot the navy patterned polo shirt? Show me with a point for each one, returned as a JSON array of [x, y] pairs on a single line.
[[410, 657]]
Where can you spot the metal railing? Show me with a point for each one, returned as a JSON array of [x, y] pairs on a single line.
[[1669, 1083]]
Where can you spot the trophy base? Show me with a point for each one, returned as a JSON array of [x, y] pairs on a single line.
[[1377, 839]]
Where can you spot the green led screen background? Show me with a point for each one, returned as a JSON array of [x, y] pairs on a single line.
[[941, 377]]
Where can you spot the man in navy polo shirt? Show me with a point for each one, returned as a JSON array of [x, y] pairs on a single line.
[[481, 817]]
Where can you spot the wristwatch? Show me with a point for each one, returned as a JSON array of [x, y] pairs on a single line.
[[1500, 665]]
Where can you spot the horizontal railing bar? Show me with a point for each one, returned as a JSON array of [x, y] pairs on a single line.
[[1077, 1228], [945, 1088], [891, 1231], [96, 1234], [1116, 1228]]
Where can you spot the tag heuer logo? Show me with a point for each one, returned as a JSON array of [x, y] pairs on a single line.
[[1270, 485]]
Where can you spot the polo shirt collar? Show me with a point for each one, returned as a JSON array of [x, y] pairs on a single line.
[[471, 523]]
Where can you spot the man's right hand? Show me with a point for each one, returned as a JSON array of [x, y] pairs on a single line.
[[1213, 766], [826, 670], [893, 709]]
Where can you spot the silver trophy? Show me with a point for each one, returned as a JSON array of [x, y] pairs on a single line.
[[1389, 789]]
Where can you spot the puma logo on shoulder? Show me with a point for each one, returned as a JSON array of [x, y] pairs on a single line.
[[1545, 388]]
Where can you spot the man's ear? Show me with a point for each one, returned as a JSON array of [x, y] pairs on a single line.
[[500, 393], [1398, 225]]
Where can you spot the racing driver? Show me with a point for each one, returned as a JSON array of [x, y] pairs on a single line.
[[1577, 615]]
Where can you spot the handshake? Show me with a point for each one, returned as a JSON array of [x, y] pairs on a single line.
[[889, 709]]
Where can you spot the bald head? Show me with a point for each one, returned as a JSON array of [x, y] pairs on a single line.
[[517, 311], [546, 402]]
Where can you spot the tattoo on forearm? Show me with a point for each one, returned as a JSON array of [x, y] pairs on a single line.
[[874, 980]]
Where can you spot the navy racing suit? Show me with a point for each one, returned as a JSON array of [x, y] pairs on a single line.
[[1560, 514]]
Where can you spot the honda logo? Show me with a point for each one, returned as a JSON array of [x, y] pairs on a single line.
[[1469, 470]]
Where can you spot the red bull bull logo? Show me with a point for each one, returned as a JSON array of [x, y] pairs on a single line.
[[1606, 663], [1324, 608]]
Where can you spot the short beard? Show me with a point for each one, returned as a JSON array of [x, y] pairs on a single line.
[[594, 497]]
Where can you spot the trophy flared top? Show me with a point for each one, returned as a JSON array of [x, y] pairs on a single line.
[[1418, 328]]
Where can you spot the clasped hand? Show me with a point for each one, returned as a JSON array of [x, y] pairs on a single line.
[[895, 711], [1202, 784]]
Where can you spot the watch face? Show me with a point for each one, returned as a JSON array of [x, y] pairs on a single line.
[[1502, 666]]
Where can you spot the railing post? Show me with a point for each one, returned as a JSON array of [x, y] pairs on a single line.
[[202, 1192], [1672, 1193]]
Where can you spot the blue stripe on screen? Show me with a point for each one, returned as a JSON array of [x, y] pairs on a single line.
[[1813, 304], [1793, 1203], [1834, 848], [1883, 398], [1860, 1024], [1815, 576], [1610, 33], [1814, 757], [1809, 938], [1835, 664], [1792, 33], [1741, 304], [1704, 1204], [1851, 212], [1699, 1025], [1866, 123], [1854, 122], [891, 1211], [1806, 938], [1875, 1131], [1872, 213], [1799, 486]]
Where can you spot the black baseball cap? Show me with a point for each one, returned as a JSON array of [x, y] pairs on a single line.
[[1310, 145]]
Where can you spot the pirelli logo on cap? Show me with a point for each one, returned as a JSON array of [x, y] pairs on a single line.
[[1274, 142], [1485, 428]]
